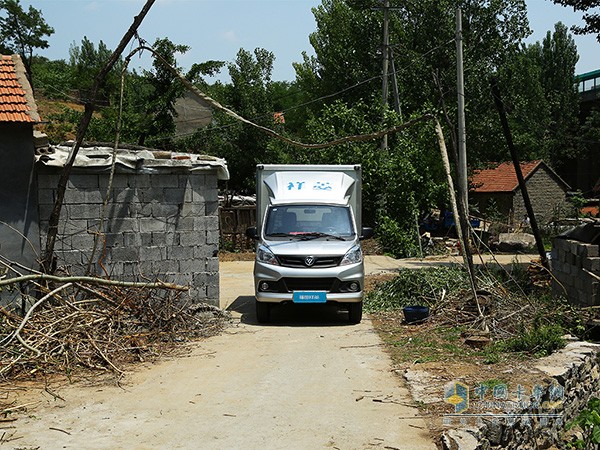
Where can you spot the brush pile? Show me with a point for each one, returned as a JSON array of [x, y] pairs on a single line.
[[84, 325]]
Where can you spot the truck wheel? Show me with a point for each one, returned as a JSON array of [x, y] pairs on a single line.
[[263, 312], [355, 312]]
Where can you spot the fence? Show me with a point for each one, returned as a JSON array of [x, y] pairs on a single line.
[[233, 223]]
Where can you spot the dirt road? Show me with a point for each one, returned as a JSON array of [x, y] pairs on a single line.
[[309, 380]]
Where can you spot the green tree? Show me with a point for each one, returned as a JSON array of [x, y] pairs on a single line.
[[85, 62], [158, 100], [21, 32], [250, 94], [591, 17], [559, 57]]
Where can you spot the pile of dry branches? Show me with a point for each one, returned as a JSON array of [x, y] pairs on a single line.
[[85, 325]]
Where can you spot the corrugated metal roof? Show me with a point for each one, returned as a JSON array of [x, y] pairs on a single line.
[[16, 96], [502, 178], [99, 159]]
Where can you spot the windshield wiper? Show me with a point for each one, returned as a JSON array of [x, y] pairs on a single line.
[[280, 235], [316, 234]]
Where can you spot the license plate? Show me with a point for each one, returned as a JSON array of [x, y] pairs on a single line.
[[310, 297]]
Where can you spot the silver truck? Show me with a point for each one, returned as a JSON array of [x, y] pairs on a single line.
[[308, 235]]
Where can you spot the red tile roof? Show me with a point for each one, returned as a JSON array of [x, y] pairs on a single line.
[[502, 178], [16, 97]]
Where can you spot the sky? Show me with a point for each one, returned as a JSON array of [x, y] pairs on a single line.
[[217, 29]]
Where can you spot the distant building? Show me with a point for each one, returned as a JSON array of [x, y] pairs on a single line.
[[496, 190]]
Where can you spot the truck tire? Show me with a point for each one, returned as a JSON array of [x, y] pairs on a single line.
[[355, 311], [263, 312]]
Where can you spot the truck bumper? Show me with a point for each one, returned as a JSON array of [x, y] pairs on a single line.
[[286, 280]]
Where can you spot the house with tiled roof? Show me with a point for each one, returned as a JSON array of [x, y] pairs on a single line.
[[19, 224], [495, 190]]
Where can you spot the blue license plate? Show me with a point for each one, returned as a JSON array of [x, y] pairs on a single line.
[[310, 297]]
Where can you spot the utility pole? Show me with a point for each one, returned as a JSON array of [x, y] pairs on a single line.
[[385, 57], [463, 186]]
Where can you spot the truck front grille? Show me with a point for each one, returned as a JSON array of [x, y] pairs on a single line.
[[311, 284], [320, 262]]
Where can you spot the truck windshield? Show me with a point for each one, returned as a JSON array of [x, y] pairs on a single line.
[[309, 221]]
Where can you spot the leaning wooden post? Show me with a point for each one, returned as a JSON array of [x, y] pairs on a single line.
[[468, 262], [48, 260], [513, 153]]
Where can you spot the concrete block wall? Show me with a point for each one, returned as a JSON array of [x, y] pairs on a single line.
[[163, 226], [576, 269], [547, 196]]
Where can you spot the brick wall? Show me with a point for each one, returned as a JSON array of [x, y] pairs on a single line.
[[163, 225], [547, 197], [576, 269]]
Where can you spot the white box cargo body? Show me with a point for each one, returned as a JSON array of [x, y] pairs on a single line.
[[308, 237]]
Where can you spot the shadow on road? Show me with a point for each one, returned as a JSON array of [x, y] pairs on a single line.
[[291, 315]]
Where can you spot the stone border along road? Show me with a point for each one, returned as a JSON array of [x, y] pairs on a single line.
[[309, 380]]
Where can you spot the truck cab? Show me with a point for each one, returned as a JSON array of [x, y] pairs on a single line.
[[308, 237]]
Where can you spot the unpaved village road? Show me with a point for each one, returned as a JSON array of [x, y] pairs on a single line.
[[307, 381]]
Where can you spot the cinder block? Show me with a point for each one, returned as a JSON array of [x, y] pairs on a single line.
[[174, 196], [191, 239], [212, 293], [167, 180], [151, 194], [205, 251], [68, 227], [47, 181], [84, 241], [183, 224], [192, 266], [125, 195], [212, 208], [149, 225], [152, 253], [132, 239], [212, 237], [74, 196], [591, 251], [165, 210], [147, 240], [212, 264], [46, 196], [82, 211], [592, 264], [193, 209], [119, 210], [123, 225], [125, 254], [179, 253], [83, 181], [131, 270]]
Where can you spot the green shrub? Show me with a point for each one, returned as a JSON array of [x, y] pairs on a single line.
[[540, 340]]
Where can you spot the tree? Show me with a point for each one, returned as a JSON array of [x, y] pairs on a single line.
[[591, 19], [250, 94], [159, 98], [21, 32], [85, 62]]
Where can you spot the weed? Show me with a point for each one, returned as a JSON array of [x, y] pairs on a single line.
[[588, 421], [540, 340]]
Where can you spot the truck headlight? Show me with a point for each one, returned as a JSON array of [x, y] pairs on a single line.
[[264, 255], [353, 256]]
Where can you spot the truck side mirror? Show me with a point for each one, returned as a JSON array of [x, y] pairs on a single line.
[[252, 233], [366, 233]]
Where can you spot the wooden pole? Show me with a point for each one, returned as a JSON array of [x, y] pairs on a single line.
[[522, 186]]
